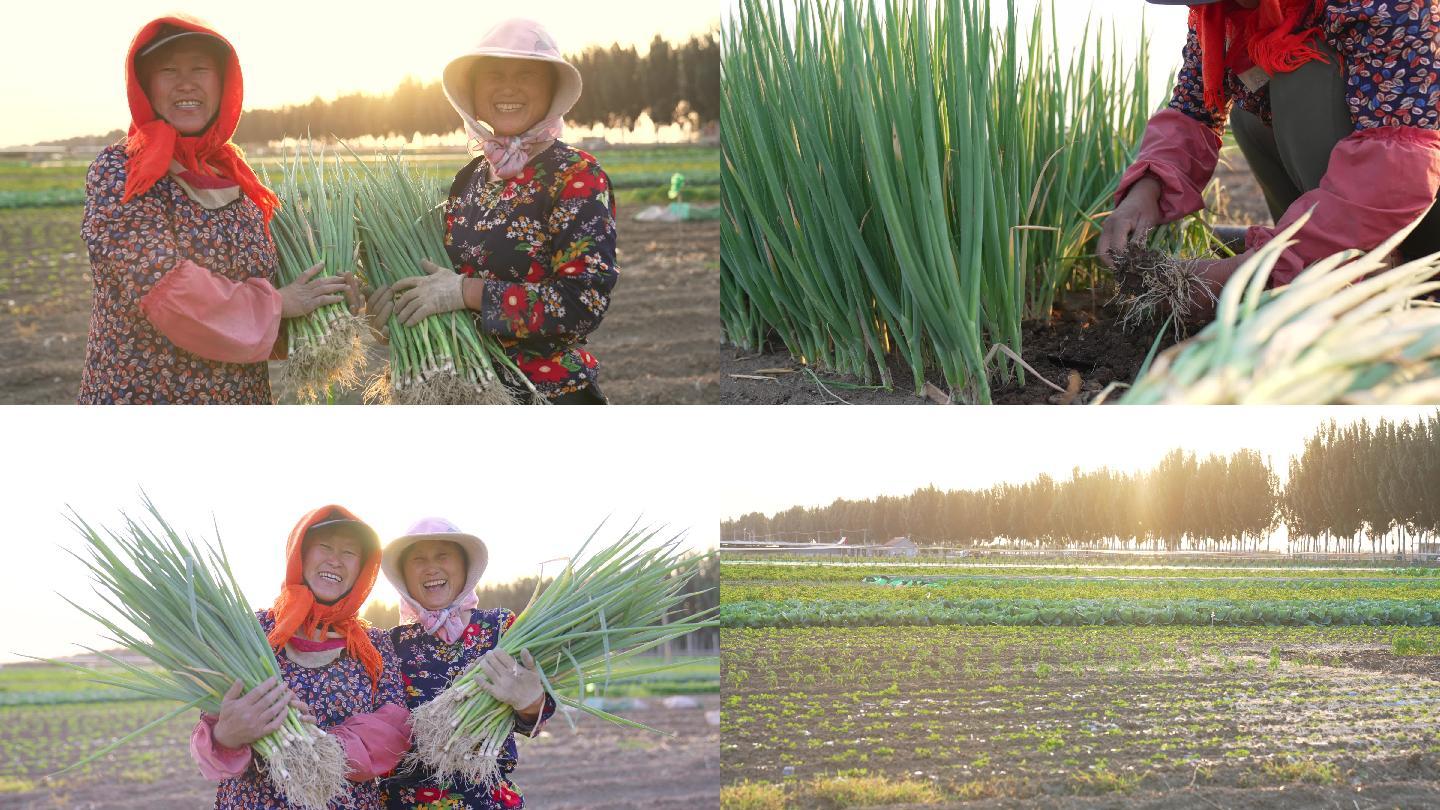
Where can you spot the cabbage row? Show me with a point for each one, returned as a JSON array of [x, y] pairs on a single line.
[[1076, 612]]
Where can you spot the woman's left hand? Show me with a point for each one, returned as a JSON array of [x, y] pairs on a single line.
[[509, 681], [440, 290]]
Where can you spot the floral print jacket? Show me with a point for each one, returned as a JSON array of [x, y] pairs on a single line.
[[428, 665], [135, 249], [1388, 51], [544, 243]]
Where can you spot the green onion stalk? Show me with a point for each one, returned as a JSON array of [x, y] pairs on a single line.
[[1346, 330], [905, 182], [192, 622], [594, 615], [315, 223], [445, 359]]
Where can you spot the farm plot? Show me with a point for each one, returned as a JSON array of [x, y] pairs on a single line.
[[1140, 714], [48, 720], [659, 342]]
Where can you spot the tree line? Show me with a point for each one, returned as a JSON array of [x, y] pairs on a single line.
[[1357, 487], [672, 83]]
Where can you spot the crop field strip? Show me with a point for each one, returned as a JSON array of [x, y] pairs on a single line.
[[639, 176], [1026, 710]]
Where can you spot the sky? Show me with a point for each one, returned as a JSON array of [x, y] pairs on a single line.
[[817, 455], [532, 484], [62, 61]]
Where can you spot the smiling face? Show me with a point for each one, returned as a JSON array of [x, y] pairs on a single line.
[[512, 95], [332, 560], [434, 572], [183, 81]]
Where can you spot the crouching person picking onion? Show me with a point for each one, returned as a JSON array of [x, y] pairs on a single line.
[[336, 671], [435, 568]]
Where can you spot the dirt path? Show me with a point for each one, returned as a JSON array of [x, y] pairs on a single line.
[[658, 343]]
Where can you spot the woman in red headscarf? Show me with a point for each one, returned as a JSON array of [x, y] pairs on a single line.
[[176, 224], [340, 673], [1336, 106]]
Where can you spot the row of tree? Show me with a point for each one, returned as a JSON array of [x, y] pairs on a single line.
[[672, 83], [1355, 487]]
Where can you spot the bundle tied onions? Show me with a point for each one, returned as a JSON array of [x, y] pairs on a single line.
[[444, 359], [594, 615], [192, 622], [316, 223], [1346, 330]]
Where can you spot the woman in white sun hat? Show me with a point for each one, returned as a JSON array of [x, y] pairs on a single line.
[[435, 568], [530, 223]]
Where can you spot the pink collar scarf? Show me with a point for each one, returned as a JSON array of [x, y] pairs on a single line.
[[508, 155], [447, 624]]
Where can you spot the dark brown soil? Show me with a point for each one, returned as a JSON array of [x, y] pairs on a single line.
[[1082, 349]]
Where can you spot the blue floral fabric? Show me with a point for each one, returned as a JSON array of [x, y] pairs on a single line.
[[427, 667]]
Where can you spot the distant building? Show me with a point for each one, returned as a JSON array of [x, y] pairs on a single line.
[[899, 547]]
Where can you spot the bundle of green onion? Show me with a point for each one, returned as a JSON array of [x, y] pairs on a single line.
[[315, 223], [1328, 337], [593, 616], [192, 622], [443, 360]]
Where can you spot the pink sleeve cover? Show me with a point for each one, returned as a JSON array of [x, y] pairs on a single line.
[[215, 760], [1181, 153], [374, 742], [1378, 181], [214, 317]]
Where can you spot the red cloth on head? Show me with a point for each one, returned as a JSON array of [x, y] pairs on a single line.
[[1264, 37], [296, 609], [153, 142]]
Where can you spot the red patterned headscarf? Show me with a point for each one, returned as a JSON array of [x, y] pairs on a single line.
[[153, 142], [296, 609], [1238, 39]]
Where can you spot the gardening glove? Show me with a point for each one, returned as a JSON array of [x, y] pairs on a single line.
[[378, 308], [506, 680], [1132, 219], [439, 291]]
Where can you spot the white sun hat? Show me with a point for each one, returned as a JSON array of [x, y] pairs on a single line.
[[516, 38]]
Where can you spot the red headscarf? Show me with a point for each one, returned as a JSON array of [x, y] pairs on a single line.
[[1264, 37], [296, 609], [153, 142]]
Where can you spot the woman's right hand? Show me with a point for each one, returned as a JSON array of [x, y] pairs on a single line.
[[306, 294], [1132, 219], [245, 718]]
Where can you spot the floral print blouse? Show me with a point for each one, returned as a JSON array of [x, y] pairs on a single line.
[[544, 243], [427, 666], [132, 246], [1388, 48], [333, 693]]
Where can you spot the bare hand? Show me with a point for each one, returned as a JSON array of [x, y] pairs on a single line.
[[1215, 272], [246, 718], [354, 301], [307, 293], [1132, 219], [378, 308]]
